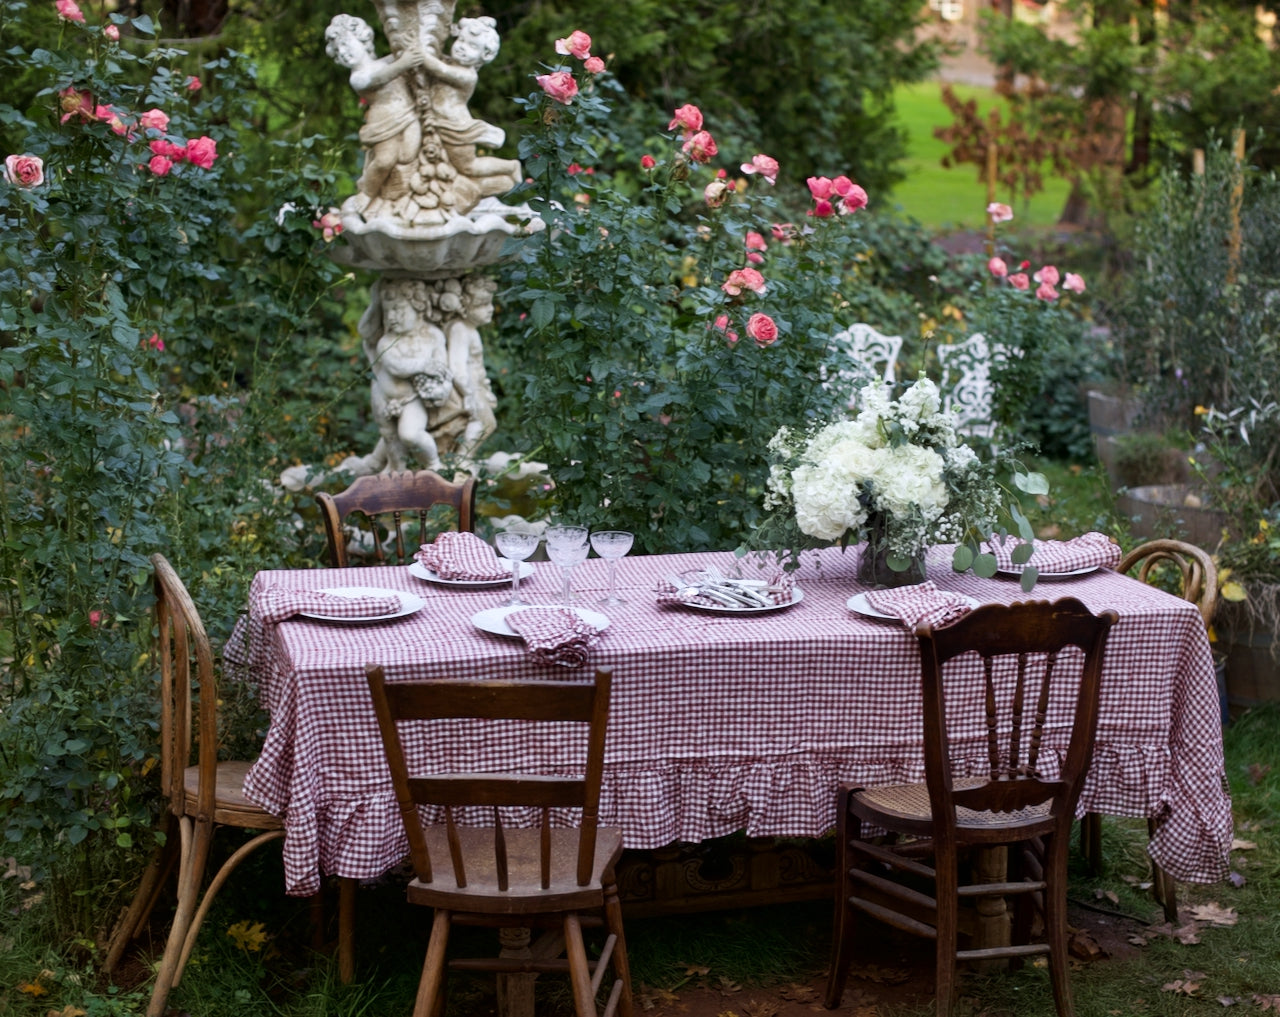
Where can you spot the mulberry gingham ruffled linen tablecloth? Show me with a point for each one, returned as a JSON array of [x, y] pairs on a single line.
[[719, 722]]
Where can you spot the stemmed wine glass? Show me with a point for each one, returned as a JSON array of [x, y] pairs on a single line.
[[612, 545], [567, 546], [516, 546]]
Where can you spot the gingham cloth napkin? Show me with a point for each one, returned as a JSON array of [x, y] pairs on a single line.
[[461, 555], [1086, 551], [923, 603], [554, 635], [781, 591]]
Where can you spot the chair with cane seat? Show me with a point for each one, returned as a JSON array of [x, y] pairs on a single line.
[[1019, 704], [400, 496], [501, 877], [201, 797], [1172, 564]]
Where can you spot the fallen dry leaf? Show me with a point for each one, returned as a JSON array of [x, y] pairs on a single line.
[[798, 993], [1242, 845], [727, 985], [1108, 895], [1228, 1000], [67, 1011], [1236, 880], [765, 1008], [12, 870], [1215, 914], [693, 969], [885, 976], [1181, 987], [1082, 945], [1257, 771], [1266, 1002]]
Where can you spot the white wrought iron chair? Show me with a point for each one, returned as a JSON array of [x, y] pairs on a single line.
[[970, 396], [860, 355]]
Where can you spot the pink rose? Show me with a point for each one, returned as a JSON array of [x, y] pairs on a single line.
[[762, 329], [855, 199], [193, 83], [765, 165], [722, 323], [1019, 281], [1024, 265], [755, 244], [166, 148], [68, 11], [25, 171], [76, 102], [202, 152], [559, 85], [154, 119], [819, 187], [1073, 283], [715, 193], [743, 279], [701, 147], [109, 116], [593, 65], [999, 212], [573, 169], [160, 165], [998, 268], [783, 232], [822, 208], [578, 44], [112, 32], [95, 619], [154, 341], [647, 162], [688, 118], [330, 224], [1045, 291], [1048, 274]]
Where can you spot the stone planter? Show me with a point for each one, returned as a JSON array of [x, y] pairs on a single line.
[[1247, 636], [1110, 414], [1172, 510]]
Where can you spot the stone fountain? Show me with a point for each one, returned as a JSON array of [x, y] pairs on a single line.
[[426, 217]]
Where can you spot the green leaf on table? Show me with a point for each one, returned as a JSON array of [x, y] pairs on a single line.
[[1029, 576], [962, 558], [1022, 553], [1024, 525], [985, 565], [1031, 483], [898, 562]]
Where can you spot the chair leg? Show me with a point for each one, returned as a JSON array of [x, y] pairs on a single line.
[[842, 923], [584, 1003], [433, 974], [1163, 886], [194, 852], [621, 965], [144, 899], [1055, 922], [947, 924], [346, 929], [219, 879], [1091, 841]]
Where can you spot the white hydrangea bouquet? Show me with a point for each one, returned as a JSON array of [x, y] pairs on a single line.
[[898, 478]]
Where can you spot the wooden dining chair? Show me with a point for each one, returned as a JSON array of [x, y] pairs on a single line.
[[1172, 565], [501, 877], [997, 675], [202, 795], [388, 501]]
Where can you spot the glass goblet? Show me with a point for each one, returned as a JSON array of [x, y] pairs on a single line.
[[567, 546], [516, 546], [612, 545]]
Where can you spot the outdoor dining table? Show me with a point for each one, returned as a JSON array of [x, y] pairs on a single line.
[[720, 721]]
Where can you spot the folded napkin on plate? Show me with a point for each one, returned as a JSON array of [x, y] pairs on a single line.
[[462, 555], [276, 603], [554, 635], [780, 591], [1089, 550], [922, 604]]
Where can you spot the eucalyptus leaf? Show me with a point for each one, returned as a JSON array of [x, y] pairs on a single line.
[[985, 565], [962, 558], [1029, 576], [1022, 553], [1031, 483]]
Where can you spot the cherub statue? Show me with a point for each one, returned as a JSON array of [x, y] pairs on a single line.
[[466, 362], [392, 131]]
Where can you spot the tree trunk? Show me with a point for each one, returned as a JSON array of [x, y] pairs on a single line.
[[1143, 115]]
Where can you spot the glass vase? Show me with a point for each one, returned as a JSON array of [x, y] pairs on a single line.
[[873, 563]]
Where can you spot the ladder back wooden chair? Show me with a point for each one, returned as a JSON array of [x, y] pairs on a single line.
[[400, 498], [1013, 675], [202, 796], [1190, 570], [509, 877]]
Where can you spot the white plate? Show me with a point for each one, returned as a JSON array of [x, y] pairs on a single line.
[[1017, 573], [408, 604], [797, 595], [859, 605], [495, 618], [422, 572]]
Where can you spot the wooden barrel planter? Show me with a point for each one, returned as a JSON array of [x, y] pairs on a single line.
[[1247, 633], [1172, 510]]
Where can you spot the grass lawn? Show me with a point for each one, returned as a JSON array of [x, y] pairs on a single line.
[[954, 199]]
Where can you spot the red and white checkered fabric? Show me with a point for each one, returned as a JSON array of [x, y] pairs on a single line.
[[461, 555], [1089, 550], [554, 635], [920, 604], [720, 721]]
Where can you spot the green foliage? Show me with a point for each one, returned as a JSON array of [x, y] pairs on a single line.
[[808, 81], [135, 306], [643, 389]]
